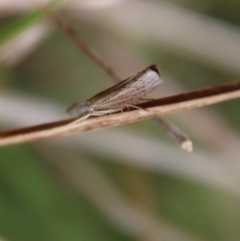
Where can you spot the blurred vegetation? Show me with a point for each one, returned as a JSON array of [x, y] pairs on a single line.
[[36, 201]]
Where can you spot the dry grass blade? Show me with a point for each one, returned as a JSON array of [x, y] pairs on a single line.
[[179, 136], [158, 107], [75, 37]]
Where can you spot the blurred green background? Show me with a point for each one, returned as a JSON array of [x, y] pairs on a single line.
[[131, 182]]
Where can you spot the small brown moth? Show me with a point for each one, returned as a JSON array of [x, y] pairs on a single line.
[[126, 93]]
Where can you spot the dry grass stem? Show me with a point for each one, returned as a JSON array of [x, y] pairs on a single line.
[[75, 37], [158, 107]]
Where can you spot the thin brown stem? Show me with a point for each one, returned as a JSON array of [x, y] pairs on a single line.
[[158, 107], [75, 37], [181, 138]]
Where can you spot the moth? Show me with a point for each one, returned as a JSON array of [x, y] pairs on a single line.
[[126, 93]]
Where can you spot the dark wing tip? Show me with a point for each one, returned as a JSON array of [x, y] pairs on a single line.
[[154, 67]]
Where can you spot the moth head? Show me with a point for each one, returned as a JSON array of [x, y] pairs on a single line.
[[78, 109]]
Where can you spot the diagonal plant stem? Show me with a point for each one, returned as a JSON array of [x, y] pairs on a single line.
[[158, 107], [181, 138], [176, 134], [75, 37]]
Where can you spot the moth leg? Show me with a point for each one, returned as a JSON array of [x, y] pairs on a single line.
[[104, 112], [94, 113], [136, 107], [83, 117], [117, 109], [142, 100], [147, 99]]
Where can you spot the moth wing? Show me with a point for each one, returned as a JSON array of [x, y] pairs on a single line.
[[130, 89], [110, 90]]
